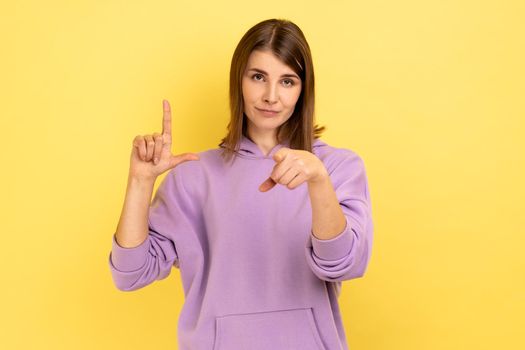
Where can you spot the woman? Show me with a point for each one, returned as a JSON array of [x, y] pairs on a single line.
[[263, 228]]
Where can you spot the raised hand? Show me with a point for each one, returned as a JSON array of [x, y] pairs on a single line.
[[294, 167], [151, 154]]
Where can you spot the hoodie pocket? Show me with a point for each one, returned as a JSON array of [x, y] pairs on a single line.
[[293, 329]]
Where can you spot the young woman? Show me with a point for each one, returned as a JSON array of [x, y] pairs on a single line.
[[263, 228]]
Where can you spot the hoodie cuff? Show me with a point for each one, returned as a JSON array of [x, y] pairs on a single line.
[[334, 248], [129, 259]]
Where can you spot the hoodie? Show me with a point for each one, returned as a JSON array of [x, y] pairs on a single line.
[[254, 275]]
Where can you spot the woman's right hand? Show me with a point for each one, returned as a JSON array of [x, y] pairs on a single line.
[[151, 154]]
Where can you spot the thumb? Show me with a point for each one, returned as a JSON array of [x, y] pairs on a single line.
[[277, 157], [267, 185], [181, 158]]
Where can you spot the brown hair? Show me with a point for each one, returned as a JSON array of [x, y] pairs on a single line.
[[287, 42]]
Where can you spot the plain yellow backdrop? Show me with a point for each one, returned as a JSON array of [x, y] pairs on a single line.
[[429, 93]]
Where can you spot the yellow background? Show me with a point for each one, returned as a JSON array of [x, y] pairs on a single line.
[[429, 93]]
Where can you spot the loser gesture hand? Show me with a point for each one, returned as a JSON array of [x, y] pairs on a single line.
[[151, 154]]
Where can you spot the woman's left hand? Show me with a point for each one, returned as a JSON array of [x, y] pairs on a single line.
[[293, 168]]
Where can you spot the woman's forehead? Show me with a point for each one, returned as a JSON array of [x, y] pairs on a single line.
[[266, 62]]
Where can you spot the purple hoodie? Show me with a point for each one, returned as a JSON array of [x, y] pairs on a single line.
[[254, 276]]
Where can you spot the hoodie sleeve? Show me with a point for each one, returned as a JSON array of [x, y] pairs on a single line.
[[136, 267], [346, 255]]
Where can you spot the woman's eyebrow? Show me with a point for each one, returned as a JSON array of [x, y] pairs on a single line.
[[284, 75]]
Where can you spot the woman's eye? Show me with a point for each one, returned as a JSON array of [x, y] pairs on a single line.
[[287, 82]]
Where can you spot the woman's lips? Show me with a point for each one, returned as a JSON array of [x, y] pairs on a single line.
[[267, 113]]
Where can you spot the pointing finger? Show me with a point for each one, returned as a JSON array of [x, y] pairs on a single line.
[[166, 119], [267, 185]]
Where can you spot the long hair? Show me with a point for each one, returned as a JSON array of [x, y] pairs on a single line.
[[287, 42]]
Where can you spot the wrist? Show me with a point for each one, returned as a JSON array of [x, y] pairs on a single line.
[[141, 181], [322, 178]]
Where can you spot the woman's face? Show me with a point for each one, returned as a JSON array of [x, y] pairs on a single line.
[[268, 83]]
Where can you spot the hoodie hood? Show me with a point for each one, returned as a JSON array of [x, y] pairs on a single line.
[[249, 149]]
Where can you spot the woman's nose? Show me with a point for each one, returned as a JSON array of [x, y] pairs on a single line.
[[270, 95]]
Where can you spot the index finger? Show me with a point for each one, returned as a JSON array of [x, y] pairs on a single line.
[[166, 118]]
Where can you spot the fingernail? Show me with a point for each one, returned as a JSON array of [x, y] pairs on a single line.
[[155, 161]]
